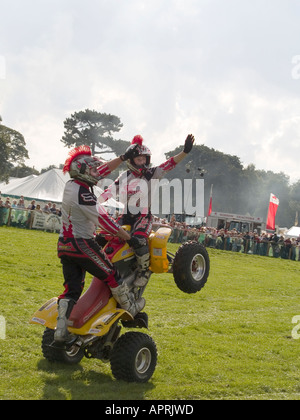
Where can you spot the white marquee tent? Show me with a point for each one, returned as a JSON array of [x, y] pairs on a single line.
[[293, 232], [48, 186]]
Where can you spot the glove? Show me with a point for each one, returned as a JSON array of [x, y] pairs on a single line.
[[131, 152], [188, 145]]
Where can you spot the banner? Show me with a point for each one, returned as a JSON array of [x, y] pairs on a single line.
[[46, 221], [210, 202], [273, 206]]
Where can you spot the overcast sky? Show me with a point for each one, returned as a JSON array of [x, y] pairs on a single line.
[[227, 71]]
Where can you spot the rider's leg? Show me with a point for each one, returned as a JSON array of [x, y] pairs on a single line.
[[98, 264], [74, 282], [126, 299], [143, 261], [65, 307], [141, 248], [140, 244]]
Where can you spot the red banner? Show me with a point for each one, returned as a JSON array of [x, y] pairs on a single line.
[[273, 206]]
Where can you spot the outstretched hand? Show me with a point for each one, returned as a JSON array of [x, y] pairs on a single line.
[[130, 153], [189, 142]]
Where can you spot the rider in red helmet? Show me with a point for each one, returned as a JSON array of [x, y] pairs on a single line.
[[77, 248], [129, 188]]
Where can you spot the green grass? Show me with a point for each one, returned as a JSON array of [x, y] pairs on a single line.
[[232, 340]]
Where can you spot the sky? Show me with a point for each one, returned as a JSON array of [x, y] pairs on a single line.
[[227, 71]]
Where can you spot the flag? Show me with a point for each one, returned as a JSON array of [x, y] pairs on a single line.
[[210, 202], [273, 206]]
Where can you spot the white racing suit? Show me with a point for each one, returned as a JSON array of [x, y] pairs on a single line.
[[77, 247], [80, 253], [133, 193]]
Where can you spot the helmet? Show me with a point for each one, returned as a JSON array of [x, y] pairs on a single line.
[[140, 150], [79, 163]]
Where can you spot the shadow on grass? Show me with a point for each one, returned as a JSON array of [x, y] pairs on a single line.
[[63, 382]]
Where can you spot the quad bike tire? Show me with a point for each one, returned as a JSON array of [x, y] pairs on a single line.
[[191, 267], [134, 357], [52, 353]]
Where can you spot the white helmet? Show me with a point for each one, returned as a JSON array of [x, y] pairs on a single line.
[[79, 163], [140, 150]]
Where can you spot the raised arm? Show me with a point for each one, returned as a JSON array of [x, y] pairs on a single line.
[[113, 164], [188, 145]]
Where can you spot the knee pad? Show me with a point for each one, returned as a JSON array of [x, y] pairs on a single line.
[[144, 250], [137, 242]]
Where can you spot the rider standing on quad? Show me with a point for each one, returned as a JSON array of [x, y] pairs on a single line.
[[77, 248], [128, 185]]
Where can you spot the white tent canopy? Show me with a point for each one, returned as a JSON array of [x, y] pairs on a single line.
[[293, 232], [14, 182], [48, 186]]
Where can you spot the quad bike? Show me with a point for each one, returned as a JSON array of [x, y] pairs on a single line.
[[94, 323]]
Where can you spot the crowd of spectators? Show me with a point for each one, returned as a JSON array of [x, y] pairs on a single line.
[[263, 244], [20, 212], [20, 204]]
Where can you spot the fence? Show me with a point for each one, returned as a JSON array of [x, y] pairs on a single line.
[[30, 219], [268, 248], [35, 219]]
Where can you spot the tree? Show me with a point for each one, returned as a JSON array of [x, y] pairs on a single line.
[[237, 189], [295, 201], [22, 171], [12, 150], [95, 130]]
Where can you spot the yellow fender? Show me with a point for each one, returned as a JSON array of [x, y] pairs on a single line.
[[158, 250], [124, 253], [158, 240], [98, 325]]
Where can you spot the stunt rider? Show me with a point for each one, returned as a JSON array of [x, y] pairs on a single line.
[[77, 249], [127, 186]]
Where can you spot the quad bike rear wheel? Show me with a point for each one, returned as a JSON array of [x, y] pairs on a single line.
[[134, 357], [191, 267], [53, 353]]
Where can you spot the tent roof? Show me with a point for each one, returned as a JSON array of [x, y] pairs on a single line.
[[48, 186], [13, 182], [293, 232]]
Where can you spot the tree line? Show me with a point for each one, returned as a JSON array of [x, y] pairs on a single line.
[[236, 189]]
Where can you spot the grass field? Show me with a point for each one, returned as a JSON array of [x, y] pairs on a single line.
[[232, 340]]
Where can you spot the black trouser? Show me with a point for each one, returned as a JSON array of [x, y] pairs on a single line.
[[79, 256], [141, 229]]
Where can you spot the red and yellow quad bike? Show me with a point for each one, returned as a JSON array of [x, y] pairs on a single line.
[[190, 265], [96, 320], [94, 327]]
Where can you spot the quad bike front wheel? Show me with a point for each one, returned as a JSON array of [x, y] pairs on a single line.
[[134, 357], [191, 267]]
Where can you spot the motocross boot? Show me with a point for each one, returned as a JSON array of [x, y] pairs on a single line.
[[143, 272], [64, 310], [126, 299]]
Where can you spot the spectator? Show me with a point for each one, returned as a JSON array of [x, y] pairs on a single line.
[[2, 212], [53, 208], [31, 205], [173, 221], [46, 208], [21, 203], [38, 208]]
